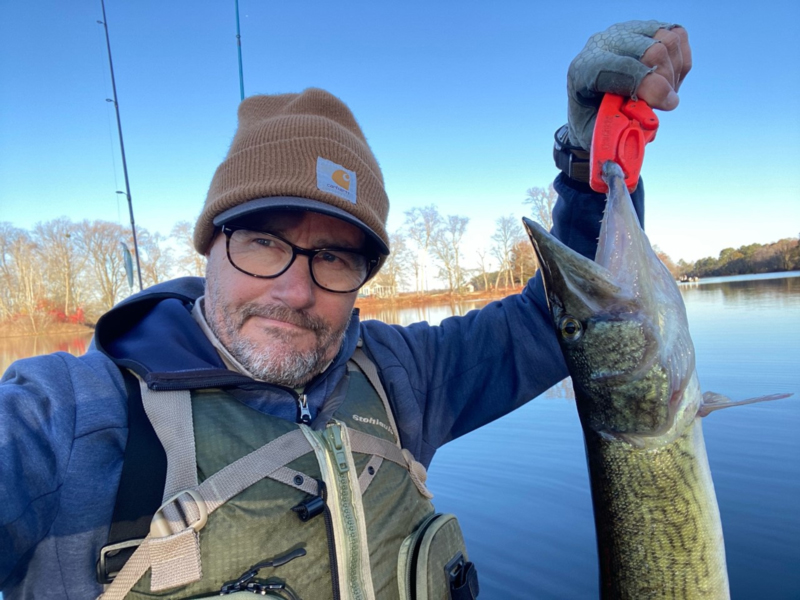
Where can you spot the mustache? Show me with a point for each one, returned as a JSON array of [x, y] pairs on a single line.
[[280, 313]]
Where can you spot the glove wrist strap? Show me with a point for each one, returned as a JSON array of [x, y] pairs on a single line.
[[572, 160]]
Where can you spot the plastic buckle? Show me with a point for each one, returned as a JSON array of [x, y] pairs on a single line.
[[159, 526], [245, 581], [462, 577], [622, 130], [108, 553], [455, 570]]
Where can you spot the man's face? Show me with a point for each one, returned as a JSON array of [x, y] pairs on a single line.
[[287, 329]]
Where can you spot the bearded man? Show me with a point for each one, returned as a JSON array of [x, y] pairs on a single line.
[[247, 433]]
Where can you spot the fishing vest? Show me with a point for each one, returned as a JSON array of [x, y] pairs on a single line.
[[257, 504]]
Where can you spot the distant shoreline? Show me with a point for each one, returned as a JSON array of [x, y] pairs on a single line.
[[12, 330], [432, 298], [19, 329], [369, 304]]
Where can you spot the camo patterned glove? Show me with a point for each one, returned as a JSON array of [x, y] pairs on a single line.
[[610, 62]]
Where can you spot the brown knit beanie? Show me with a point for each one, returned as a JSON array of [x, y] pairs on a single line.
[[298, 152]]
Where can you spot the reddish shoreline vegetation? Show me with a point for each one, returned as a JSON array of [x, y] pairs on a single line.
[[44, 323]]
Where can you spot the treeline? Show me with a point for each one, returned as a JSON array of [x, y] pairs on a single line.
[[428, 252], [783, 255], [66, 272]]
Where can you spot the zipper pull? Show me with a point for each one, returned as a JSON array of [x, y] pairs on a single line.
[[303, 414], [333, 435]]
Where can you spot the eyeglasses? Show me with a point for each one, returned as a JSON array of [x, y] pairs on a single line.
[[266, 255]]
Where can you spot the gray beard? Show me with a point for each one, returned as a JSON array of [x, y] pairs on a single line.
[[279, 362]]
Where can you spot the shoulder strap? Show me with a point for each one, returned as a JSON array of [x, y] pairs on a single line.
[[141, 485], [371, 372]]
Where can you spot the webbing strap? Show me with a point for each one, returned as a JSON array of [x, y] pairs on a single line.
[[170, 413], [180, 547], [369, 444], [240, 475], [296, 479], [371, 372], [369, 472], [141, 486]]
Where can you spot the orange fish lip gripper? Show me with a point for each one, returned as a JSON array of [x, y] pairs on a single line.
[[623, 128]]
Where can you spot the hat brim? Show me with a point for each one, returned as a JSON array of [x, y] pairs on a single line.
[[272, 203]]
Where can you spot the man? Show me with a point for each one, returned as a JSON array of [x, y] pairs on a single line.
[[295, 436]]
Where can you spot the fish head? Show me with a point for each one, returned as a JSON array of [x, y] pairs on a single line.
[[621, 325]]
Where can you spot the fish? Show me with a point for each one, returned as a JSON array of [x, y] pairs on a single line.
[[622, 327]]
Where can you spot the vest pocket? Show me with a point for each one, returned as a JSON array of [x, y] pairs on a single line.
[[433, 563]]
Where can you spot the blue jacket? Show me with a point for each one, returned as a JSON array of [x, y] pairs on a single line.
[[63, 419]]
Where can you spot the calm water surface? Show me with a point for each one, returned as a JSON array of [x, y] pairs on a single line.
[[520, 485]]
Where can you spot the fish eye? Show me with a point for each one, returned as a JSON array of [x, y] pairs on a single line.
[[570, 328]]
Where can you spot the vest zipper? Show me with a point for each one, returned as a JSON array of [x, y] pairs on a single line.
[[333, 438], [303, 414], [332, 450]]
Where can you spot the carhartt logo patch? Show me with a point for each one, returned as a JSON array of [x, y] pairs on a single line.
[[336, 180]]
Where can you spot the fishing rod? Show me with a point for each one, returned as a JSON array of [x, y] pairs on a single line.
[[239, 48], [122, 146]]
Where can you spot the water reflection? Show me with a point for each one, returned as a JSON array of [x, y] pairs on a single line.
[[14, 348], [433, 314], [762, 291], [560, 391]]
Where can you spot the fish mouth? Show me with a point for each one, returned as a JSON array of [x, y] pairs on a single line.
[[627, 300], [573, 284]]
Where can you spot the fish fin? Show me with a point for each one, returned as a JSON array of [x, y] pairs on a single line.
[[713, 401]]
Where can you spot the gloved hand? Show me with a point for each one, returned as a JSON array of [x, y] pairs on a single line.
[[644, 59]]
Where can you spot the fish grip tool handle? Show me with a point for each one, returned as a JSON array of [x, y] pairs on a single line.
[[623, 128]]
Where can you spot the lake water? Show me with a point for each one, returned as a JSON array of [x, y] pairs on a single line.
[[520, 486]]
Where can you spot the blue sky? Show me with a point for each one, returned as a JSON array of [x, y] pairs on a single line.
[[459, 101]]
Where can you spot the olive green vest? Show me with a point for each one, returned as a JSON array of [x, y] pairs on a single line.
[[373, 491]]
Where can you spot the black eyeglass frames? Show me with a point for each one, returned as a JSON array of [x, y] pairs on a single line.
[[267, 256]]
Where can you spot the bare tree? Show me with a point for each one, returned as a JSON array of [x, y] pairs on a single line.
[[105, 262], [482, 267], [507, 233], [394, 273], [542, 201], [21, 277], [446, 247], [187, 261], [8, 275], [156, 258], [62, 260], [523, 259], [422, 225]]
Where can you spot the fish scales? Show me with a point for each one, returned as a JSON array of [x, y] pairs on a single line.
[[657, 522]]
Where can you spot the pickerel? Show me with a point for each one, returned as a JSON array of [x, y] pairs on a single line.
[[622, 327]]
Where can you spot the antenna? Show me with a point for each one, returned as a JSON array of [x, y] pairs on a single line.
[[239, 48], [121, 146]]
